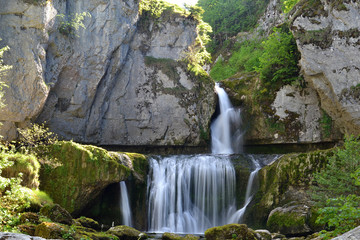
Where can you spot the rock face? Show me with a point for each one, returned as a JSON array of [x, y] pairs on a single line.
[[118, 82], [328, 37]]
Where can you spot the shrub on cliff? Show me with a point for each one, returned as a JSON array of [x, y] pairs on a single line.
[[279, 61]]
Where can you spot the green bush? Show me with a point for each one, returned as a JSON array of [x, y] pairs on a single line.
[[287, 5], [279, 61], [69, 25], [336, 190], [245, 58]]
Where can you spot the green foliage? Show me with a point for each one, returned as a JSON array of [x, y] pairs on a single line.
[[36, 136], [287, 5], [279, 61], [197, 55], [3, 71], [339, 183], [151, 8], [69, 25], [245, 58], [341, 214], [326, 124], [228, 17]]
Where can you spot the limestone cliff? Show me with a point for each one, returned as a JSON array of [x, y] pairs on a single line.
[[118, 82], [328, 37]]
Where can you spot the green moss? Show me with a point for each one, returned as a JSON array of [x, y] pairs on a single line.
[[170, 236], [230, 231], [26, 164], [326, 124], [73, 171], [322, 38], [293, 171], [140, 163], [279, 221]]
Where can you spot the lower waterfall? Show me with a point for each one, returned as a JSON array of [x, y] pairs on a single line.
[[189, 194]]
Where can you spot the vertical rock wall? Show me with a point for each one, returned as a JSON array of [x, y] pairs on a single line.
[[328, 37], [117, 82]]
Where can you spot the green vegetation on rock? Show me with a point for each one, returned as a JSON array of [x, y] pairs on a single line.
[[227, 18], [291, 173]]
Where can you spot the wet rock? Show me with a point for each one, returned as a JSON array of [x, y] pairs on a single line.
[[263, 234], [170, 236], [230, 231], [289, 220], [127, 233]]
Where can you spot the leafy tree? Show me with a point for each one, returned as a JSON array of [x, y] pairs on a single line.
[[245, 58], [228, 17], [279, 61], [70, 25], [337, 190]]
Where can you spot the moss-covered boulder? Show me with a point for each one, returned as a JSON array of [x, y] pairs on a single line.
[[170, 236], [29, 217], [74, 174], [50, 230], [292, 220], [57, 214], [127, 233], [88, 223], [284, 181], [230, 231]]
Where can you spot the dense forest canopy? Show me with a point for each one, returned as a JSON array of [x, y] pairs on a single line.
[[232, 16]]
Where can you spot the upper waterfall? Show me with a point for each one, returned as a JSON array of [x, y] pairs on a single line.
[[226, 136]]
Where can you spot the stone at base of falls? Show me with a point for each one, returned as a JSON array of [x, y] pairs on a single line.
[[57, 214], [17, 236], [49, 230], [230, 231], [263, 234], [170, 236], [88, 223], [127, 233], [291, 220]]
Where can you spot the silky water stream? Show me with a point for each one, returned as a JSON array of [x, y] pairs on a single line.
[[191, 193]]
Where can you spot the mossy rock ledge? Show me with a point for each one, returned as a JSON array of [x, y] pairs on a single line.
[[284, 184], [73, 174]]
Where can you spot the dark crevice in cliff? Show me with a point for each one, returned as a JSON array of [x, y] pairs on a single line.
[[100, 104]]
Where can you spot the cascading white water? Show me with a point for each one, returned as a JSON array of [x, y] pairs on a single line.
[[237, 217], [125, 205], [189, 194], [226, 136]]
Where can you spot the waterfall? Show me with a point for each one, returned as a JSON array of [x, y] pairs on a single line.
[[189, 194], [124, 205], [238, 215], [226, 137]]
